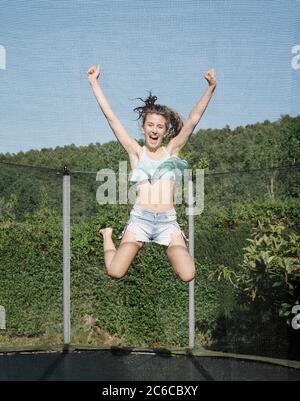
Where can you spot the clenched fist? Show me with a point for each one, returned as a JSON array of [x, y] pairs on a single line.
[[93, 73], [210, 77]]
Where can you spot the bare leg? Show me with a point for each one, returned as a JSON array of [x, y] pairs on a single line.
[[117, 262], [180, 259], [108, 245]]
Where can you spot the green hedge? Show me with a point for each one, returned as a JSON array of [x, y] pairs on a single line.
[[148, 307]]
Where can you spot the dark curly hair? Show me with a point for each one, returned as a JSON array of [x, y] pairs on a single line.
[[174, 121]]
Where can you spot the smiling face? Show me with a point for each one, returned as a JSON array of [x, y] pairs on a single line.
[[154, 129]]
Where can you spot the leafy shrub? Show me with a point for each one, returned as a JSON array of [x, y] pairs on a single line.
[[270, 268]]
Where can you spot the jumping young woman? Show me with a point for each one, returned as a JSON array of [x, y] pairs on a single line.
[[154, 167]]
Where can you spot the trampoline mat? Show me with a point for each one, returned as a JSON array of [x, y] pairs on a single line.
[[106, 366]]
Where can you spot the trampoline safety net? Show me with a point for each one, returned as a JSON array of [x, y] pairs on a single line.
[[243, 159]]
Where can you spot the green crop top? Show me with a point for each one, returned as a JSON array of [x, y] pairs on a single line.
[[169, 168]]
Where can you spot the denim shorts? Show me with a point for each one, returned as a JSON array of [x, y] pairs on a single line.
[[150, 226]]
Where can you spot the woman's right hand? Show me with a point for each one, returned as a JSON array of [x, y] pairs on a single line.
[[93, 73]]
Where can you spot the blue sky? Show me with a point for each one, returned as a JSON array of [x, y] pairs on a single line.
[[161, 45]]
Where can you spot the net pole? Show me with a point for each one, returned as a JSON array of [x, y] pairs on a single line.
[[191, 251], [66, 255]]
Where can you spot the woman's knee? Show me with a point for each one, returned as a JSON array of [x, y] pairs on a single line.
[[116, 269], [187, 277], [188, 274], [116, 273]]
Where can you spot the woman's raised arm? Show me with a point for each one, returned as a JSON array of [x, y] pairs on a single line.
[[129, 143], [178, 142]]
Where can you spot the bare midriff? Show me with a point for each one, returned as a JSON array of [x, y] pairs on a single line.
[[156, 196]]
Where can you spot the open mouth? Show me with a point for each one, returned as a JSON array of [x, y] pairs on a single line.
[[153, 139]]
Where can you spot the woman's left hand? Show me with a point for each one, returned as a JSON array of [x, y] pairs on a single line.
[[210, 77]]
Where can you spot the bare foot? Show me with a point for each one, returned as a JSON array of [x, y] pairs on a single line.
[[106, 231]]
